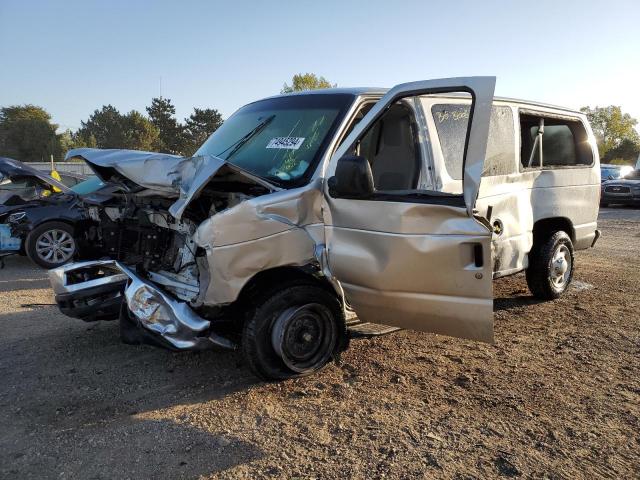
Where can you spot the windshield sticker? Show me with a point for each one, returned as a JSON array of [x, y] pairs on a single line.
[[287, 143]]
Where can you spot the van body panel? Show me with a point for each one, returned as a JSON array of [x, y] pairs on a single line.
[[417, 265], [516, 201]]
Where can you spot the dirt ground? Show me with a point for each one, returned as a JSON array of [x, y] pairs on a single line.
[[556, 396]]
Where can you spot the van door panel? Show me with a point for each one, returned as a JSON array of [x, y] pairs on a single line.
[[418, 265]]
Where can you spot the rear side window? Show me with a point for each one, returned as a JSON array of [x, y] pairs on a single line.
[[451, 124], [548, 142]]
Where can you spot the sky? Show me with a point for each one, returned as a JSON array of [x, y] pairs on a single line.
[[71, 57]]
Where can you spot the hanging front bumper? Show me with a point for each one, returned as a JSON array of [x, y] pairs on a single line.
[[96, 290]]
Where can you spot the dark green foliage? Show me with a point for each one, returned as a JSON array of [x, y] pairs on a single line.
[[202, 123], [171, 133], [108, 128], [306, 81], [27, 134], [615, 132]]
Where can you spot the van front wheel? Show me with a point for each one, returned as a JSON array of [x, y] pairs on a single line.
[[550, 266], [293, 332]]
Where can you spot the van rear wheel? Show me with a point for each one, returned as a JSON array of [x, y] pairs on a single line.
[[550, 268], [293, 332]]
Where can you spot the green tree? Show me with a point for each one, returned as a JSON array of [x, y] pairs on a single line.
[[104, 128], [27, 134], [626, 152], [611, 128], [139, 132], [162, 115], [108, 128], [306, 81], [70, 140], [200, 124]]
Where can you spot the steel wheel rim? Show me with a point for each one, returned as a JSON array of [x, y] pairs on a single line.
[[304, 337], [55, 246], [560, 270]]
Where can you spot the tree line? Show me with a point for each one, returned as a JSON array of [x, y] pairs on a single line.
[[28, 134], [618, 139]]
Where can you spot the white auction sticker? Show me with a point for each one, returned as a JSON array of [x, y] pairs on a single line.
[[288, 143]]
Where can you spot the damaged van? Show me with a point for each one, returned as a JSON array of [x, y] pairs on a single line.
[[305, 209]]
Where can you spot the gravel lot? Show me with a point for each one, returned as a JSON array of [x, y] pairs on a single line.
[[557, 396]]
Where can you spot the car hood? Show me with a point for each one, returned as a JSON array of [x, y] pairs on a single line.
[[14, 203], [623, 182], [170, 175], [11, 168]]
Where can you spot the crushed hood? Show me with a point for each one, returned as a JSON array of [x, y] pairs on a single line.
[[171, 175]]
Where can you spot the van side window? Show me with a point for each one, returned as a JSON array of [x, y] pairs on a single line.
[[392, 149], [530, 137], [501, 144], [451, 124], [549, 142]]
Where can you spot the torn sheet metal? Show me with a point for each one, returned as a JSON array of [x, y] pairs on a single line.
[[280, 229], [170, 319], [94, 273], [196, 172], [156, 171], [262, 216], [231, 267], [173, 321], [184, 177]]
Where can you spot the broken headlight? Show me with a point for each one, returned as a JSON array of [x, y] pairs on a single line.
[[16, 217], [94, 214], [145, 306]]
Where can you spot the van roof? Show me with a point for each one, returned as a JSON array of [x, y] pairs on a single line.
[[376, 91]]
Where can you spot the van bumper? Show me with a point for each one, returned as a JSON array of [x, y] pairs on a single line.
[[97, 290]]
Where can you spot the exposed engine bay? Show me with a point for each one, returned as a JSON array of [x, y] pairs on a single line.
[[149, 222], [137, 228]]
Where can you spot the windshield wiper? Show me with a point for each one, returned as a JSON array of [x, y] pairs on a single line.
[[237, 145]]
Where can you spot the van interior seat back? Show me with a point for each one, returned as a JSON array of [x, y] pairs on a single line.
[[395, 166]]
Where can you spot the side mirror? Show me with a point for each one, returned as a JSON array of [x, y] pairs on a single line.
[[353, 178]]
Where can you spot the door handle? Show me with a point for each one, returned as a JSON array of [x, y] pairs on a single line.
[[478, 256]]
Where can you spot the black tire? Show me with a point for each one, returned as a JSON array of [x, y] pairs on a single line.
[[542, 274], [39, 233], [604, 205], [314, 323]]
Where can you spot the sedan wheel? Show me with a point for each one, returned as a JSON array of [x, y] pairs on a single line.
[[51, 244], [55, 246]]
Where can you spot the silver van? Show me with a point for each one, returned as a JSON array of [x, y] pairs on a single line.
[[398, 205]]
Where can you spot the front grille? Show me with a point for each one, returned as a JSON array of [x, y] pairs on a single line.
[[617, 189]]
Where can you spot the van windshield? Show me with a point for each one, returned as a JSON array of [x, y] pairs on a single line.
[[282, 138]]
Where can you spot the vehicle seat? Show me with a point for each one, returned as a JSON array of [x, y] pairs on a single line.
[[395, 166]]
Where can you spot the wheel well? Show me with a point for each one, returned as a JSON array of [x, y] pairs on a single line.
[[543, 229], [277, 277], [50, 220]]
